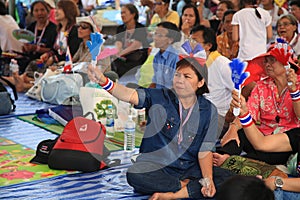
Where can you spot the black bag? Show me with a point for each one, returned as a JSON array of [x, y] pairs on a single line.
[[138, 56], [81, 147], [7, 103]]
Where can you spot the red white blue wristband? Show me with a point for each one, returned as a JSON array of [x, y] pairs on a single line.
[[108, 85], [246, 120], [295, 95]]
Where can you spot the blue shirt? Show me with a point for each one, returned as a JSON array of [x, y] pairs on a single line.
[[159, 144], [164, 65]]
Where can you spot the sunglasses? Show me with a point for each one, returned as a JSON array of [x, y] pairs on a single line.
[[83, 26]]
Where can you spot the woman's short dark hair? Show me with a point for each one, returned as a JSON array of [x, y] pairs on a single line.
[[228, 3], [197, 21], [244, 188], [201, 72], [133, 10], [228, 12], [36, 2], [173, 31]]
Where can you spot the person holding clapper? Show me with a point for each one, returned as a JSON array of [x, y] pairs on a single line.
[[175, 153]]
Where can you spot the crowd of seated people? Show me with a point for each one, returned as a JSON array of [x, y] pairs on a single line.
[[159, 60]]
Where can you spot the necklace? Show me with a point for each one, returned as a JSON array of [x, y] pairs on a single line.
[[278, 101]]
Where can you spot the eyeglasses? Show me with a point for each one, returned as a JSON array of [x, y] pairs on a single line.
[[159, 35], [270, 59], [83, 26], [284, 24], [158, 3]]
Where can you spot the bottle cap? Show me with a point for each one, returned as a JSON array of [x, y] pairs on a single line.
[[109, 106]]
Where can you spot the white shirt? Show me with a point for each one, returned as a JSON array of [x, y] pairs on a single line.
[[220, 84], [7, 41], [252, 32]]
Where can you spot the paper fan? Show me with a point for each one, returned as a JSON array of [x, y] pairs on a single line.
[[23, 35]]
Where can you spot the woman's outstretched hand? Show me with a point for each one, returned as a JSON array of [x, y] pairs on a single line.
[[95, 75]]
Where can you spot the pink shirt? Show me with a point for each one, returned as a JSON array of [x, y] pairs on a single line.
[[264, 107]]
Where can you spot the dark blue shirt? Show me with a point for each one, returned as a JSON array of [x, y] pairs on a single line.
[[159, 144]]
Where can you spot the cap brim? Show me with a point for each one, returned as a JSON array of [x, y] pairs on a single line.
[[39, 160]]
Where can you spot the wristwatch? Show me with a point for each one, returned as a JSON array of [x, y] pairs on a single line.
[[278, 182]]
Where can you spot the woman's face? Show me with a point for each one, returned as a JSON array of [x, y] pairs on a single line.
[[40, 12], [273, 68], [185, 81], [188, 16], [160, 6], [59, 14], [220, 10], [285, 29], [227, 26], [126, 15], [84, 30]]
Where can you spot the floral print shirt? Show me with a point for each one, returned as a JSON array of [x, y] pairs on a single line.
[[274, 112]]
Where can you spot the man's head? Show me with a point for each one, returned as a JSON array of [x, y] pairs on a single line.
[[205, 36], [166, 34], [294, 7]]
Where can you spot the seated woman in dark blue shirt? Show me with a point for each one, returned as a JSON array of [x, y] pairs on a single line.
[[180, 134]]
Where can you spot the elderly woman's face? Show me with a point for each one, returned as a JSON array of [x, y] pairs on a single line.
[[286, 29], [186, 82], [273, 68]]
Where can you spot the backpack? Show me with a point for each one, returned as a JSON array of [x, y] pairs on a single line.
[[7, 103], [81, 147], [62, 89]]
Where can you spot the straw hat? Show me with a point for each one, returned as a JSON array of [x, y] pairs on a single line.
[[92, 20], [51, 3]]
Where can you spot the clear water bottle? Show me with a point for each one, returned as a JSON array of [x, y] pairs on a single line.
[[129, 134], [13, 66], [110, 121]]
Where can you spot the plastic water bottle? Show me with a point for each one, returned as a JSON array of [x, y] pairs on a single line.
[[129, 134], [110, 121], [13, 66]]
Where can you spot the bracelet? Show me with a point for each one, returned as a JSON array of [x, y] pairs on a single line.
[[108, 85], [295, 95], [246, 120]]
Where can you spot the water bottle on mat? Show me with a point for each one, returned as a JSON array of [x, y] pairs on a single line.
[[129, 134]]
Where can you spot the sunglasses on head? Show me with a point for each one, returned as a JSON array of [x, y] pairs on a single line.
[[158, 3], [83, 26]]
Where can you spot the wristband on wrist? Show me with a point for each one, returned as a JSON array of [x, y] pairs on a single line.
[[108, 85], [295, 95], [246, 120]]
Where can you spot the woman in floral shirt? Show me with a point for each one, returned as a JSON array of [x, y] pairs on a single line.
[[273, 108]]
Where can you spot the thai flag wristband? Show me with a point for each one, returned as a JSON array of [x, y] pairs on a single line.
[[295, 95], [246, 120], [108, 85]]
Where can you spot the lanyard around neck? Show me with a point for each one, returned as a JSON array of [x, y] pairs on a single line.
[[43, 31], [182, 123]]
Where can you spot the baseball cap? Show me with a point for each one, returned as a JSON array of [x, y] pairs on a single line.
[[92, 20], [43, 151]]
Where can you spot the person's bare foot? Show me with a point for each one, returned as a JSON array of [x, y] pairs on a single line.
[[162, 196], [219, 159], [19, 83]]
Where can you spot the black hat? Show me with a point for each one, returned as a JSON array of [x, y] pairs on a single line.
[[43, 151]]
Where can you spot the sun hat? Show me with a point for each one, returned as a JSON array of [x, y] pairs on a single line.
[[92, 20]]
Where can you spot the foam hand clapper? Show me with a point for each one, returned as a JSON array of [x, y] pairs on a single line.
[[238, 76], [94, 46]]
